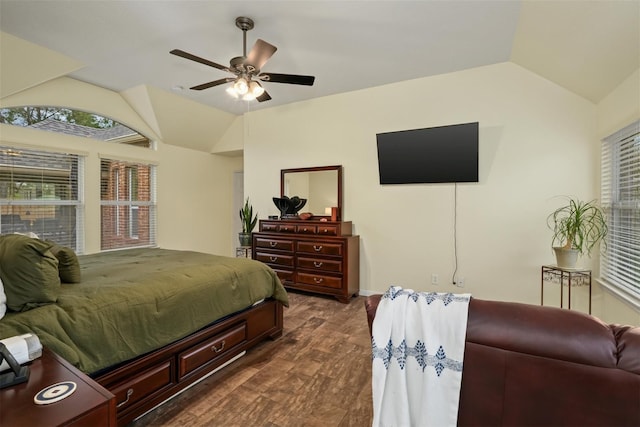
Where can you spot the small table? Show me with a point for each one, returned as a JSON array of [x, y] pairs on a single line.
[[89, 405], [565, 276], [243, 252]]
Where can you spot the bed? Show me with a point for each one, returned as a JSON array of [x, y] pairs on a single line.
[[146, 323]]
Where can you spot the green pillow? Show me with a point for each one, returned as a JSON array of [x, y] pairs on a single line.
[[29, 272], [68, 264]]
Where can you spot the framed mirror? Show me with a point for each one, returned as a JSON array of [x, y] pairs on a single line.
[[321, 186]]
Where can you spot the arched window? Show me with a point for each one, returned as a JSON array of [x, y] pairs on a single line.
[[73, 122]]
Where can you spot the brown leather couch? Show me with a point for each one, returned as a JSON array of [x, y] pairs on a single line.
[[532, 365]]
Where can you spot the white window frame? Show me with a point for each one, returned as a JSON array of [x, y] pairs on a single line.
[[619, 269], [130, 204]]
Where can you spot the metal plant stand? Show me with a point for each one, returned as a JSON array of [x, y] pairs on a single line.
[[568, 277]]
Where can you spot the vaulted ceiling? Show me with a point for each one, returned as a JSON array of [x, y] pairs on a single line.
[[588, 47]]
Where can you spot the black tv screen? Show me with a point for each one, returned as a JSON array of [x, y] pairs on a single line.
[[429, 155]]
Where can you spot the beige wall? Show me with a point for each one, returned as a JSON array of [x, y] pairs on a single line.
[[194, 187], [536, 143], [621, 107]]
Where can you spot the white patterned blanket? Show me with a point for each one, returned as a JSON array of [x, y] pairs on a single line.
[[417, 350]]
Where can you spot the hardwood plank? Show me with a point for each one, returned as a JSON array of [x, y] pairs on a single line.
[[317, 374]]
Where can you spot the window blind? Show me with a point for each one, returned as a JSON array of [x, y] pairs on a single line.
[[128, 204], [41, 192], [620, 186]]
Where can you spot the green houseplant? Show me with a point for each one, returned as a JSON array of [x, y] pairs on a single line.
[[249, 222], [577, 227]]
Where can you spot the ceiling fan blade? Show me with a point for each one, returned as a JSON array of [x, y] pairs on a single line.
[[287, 78], [212, 84], [260, 53], [264, 97], [192, 57]]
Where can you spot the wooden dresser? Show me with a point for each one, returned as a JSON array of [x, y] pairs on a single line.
[[316, 256]]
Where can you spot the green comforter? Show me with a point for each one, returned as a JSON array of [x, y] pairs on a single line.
[[134, 301]]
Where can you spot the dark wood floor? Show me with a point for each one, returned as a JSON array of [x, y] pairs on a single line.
[[317, 374]]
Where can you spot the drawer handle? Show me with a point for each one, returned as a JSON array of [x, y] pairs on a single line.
[[318, 279], [317, 264], [317, 248], [273, 244], [326, 230], [273, 258], [129, 393], [216, 349]]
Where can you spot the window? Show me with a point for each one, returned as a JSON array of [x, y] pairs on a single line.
[[128, 204], [41, 192], [620, 263], [73, 122]]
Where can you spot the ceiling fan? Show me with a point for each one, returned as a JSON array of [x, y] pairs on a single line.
[[246, 68]]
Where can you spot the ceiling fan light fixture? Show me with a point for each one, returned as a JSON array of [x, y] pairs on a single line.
[[241, 86], [255, 89], [248, 91], [232, 91]]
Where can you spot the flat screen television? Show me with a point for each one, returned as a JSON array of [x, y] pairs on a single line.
[[430, 155]]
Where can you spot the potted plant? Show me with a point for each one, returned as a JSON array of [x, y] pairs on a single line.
[[249, 222], [577, 228]]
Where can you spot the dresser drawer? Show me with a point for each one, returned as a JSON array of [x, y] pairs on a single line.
[[275, 259], [287, 228], [282, 245], [327, 230], [268, 227], [321, 248], [211, 349], [319, 280], [320, 264], [142, 385], [306, 229]]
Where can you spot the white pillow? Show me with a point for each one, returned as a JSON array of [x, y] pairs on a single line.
[[3, 301]]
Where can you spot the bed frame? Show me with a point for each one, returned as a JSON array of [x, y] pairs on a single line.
[[149, 380]]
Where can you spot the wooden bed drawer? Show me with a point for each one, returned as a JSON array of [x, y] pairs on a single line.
[[285, 276], [211, 349], [281, 245], [321, 248], [319, 280], [275, 259], [320, 264], [143, 385]]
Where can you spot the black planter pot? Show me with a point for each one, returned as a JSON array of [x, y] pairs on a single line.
[[245, 239]]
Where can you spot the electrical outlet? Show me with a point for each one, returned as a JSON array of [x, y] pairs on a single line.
[[459, 282], [434, 279]]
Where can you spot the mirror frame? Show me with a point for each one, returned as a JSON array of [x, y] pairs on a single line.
[[337, 168]]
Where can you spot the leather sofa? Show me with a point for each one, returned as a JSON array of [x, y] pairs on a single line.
[[532, 365]]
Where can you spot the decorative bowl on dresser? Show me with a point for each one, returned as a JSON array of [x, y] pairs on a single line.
[[311, 255]]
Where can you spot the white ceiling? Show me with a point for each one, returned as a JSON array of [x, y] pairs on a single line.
[[589, 47]]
